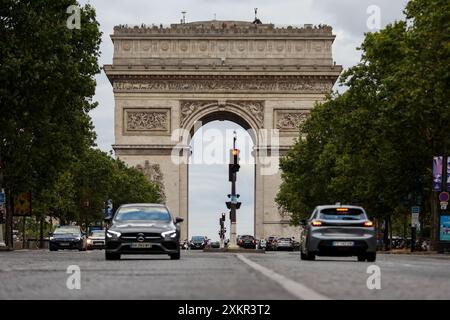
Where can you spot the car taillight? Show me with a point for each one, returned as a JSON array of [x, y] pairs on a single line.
[[368, 224], [316, 223]]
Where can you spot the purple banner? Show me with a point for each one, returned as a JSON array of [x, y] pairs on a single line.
[[448, 173], [437, 173]]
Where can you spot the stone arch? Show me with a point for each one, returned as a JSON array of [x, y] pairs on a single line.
[[247, 114]]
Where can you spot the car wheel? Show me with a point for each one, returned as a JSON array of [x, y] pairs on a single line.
[[310, 256], [361, 258], [302, 256], [112, 256], [175, 256], [371, 256]]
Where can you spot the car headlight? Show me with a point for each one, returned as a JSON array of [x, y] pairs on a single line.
[[170, 233], [112, 234], [52, 238], [89, 240]]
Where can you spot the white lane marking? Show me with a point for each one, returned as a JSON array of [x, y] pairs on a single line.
[[296, 289]]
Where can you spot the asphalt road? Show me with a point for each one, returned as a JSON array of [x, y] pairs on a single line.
[[199, 275]]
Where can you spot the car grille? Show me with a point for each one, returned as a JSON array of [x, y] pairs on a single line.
[[135, 235]]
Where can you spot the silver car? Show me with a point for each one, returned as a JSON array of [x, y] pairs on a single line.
[[336, 230]]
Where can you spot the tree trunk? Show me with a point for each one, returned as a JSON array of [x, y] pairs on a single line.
[[41, 233], [8, 228], [434, 222]]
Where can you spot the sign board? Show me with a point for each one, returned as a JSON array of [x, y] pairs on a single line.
[[415, 212], [2, 198], [22, 204], [109, 209], [444, 228]]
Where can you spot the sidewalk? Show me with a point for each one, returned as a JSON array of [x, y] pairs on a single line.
[[417, 253]]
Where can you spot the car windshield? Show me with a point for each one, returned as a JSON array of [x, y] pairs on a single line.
[[142, 213], [342, 214], [198, 238], [97, 233], [68, 231]]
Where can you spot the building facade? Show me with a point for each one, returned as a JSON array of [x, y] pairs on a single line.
[[168, 79]]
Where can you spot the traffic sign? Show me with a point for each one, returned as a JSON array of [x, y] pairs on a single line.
[[2, 198], [444, 197]]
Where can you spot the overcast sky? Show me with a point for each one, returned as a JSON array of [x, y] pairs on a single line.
[[347, 17]]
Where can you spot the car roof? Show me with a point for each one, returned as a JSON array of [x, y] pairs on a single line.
[[338, 206], [144, 204]]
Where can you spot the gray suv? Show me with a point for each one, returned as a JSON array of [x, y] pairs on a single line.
[[335, 230], [143, 228]]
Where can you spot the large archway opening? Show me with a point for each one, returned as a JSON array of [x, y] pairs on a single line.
[[208, 185]]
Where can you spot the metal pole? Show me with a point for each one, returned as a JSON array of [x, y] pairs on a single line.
[[233, 243]]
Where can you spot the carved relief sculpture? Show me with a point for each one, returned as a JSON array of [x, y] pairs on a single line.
[[290, 121], [146, 120]]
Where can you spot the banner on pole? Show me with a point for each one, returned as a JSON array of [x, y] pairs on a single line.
[[448, 173], [22, 204], [437, 173]]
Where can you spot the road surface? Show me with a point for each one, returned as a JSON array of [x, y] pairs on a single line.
[[275, 275]]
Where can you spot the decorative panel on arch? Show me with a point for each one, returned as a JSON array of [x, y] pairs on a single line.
[[146, 121]]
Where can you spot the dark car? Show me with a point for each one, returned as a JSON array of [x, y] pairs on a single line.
[[271, 243], [198, 243], [336, 230], [143, 229], [215, 244], [247, 242], [67, 237]]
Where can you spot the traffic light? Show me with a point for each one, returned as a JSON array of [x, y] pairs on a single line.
[[238, 205], [223, 216], [234, 166]]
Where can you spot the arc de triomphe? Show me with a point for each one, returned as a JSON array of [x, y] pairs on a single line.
[[257, 75]]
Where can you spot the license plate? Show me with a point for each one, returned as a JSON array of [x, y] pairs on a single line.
[[98, 243], [63, 244], [141, 245], [343, 243]]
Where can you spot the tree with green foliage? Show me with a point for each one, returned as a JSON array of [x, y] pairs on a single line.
[[373, 144], [46, 89]]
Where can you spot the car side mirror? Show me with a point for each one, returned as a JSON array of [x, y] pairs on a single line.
[[178, 220], [303, 222]]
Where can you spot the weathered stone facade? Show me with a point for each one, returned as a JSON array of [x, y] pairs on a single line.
[[260, 76]]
